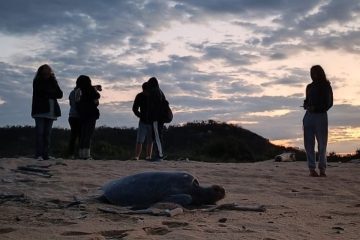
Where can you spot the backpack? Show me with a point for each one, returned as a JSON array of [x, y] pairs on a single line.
[[166, 112]]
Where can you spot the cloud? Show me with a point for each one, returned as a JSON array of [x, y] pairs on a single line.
[[231, 55], [238, 87], [292, 78], [333, 12], [251, 8]]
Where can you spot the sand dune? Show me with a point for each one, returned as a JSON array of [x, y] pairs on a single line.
[[297, 206]]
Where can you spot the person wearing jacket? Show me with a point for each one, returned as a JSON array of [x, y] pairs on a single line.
[[156, 100], [319, 99], [74, 122], [87, 101], [45, 108], [144, 131]]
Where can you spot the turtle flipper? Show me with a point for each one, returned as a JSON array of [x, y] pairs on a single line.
[[181, 199]]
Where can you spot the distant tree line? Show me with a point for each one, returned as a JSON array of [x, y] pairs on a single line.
[[208, 141]]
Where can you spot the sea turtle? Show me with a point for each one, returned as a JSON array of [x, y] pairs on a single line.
[[144, 189]]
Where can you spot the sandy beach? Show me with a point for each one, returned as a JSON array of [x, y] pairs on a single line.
[[297, 206]]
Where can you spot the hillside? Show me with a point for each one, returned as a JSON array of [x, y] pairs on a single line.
[[200, 141]]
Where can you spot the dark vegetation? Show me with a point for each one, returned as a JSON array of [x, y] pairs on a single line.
[[200, 141]]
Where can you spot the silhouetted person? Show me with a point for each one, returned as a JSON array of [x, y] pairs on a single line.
[[75, 124], [45, 108], [87, 101], [144, 132], [156, 99], [319, 99]]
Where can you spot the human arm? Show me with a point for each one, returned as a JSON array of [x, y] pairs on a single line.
[[306, 104], [319, 97], [48, 88], [136, 106], [330, 98]]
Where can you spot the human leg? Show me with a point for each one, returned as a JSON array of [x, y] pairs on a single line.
[[157, 140], [47, 137], [39, 135], [140, 138], [75, 129], [309, 141], [83, 138], [160, 129], [322, 138], [138, 148], [149, 148], [43, 128], [87, 130], [90, 133], [149, 141]]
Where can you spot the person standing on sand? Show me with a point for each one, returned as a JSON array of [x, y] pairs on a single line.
[[87, 100], [319, 99], [74, 122], [45, 108], [156, 98], [144, 132]]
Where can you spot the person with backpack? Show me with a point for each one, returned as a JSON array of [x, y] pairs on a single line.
[[159, 114], [319, 99]]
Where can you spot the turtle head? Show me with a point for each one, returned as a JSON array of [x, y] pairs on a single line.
[[207, 195], [218, 193]]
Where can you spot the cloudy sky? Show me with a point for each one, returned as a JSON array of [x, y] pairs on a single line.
[[241, 61]]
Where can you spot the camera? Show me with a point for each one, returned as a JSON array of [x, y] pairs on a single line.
[[98, 88]]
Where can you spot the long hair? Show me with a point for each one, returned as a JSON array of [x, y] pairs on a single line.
[[42, 81], [39, 72], [83, 82], [153, 83], [317, 74]]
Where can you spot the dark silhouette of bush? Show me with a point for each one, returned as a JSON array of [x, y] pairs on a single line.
[[200, 141], [211, 141]]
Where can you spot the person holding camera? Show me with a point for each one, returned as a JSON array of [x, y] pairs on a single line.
[[87, 102], [74, 122], [45, 109]]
